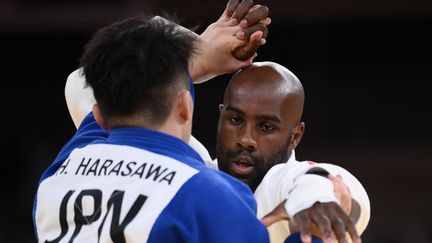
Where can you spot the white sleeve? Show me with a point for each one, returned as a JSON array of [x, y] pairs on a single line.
[[202, 151], [360, 211], [286, 181], [79, 97]]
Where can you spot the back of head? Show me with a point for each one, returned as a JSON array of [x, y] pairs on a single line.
[[136, 67]]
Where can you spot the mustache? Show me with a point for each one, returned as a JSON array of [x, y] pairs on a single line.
[[241, 152]]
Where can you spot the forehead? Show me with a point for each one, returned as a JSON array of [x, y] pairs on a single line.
[[256, 97], [260, 100]]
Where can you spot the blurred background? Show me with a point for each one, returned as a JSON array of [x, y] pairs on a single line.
[[365, 66]]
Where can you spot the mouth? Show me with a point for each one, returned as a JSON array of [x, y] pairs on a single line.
[[242, 165]]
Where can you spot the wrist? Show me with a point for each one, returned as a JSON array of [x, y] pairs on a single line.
[[198, 70]]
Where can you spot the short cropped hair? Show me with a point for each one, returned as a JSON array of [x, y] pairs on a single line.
[[137, 66]]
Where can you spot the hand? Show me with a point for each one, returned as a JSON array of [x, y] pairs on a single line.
[[324, 214], [214, 55], [245, 13], [324, 220], [254, 20], [225, 46], [255, 24]]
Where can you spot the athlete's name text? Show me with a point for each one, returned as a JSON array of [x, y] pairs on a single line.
[[108, 167]]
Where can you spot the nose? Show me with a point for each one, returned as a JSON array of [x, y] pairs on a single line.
[[247, 139]]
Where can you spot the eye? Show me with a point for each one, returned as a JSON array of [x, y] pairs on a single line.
[[235, 120], [267, 127]]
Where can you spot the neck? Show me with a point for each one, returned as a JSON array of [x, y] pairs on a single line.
[[175, 130], [168, 127]]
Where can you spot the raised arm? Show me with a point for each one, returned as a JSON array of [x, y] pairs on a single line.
[[214, 57], [231, 42]]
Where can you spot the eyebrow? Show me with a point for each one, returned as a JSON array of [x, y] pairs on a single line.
[[273, 118], [230, 108]]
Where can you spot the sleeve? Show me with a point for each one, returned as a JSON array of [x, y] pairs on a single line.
[[88, 132], [79, 97], [200, 149], [302, 190], [360, 211]]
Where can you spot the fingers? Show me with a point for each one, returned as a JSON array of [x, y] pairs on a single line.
[[254, 27], [323, 222], [242, 9], [330, 219], [246, 63], [338, 226], [341, 223], [231, 7], [246, 51], [256, 34], [245, 34], [353, 233], [303, 222], [348, 225], [255, 15], [265, 21]]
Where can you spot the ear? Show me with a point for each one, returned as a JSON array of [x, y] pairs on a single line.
[[221, 107], [297, 135], [98, 117], [184, 106]]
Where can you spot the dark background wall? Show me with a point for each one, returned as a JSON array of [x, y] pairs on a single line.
[[365, 66]]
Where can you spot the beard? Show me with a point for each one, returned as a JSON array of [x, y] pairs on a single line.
[[262, 164]]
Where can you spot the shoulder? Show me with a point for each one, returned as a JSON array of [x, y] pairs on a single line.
[[220, 184], [213, 204], [88, 132], [214, 189]]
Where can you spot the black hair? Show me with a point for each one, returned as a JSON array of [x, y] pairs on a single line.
[[137, 66]]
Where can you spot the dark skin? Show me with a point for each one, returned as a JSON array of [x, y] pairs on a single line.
[[254, 21], [252, 122], [261, 115]]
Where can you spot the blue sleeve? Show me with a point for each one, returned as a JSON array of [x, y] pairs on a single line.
[[210, 209]]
